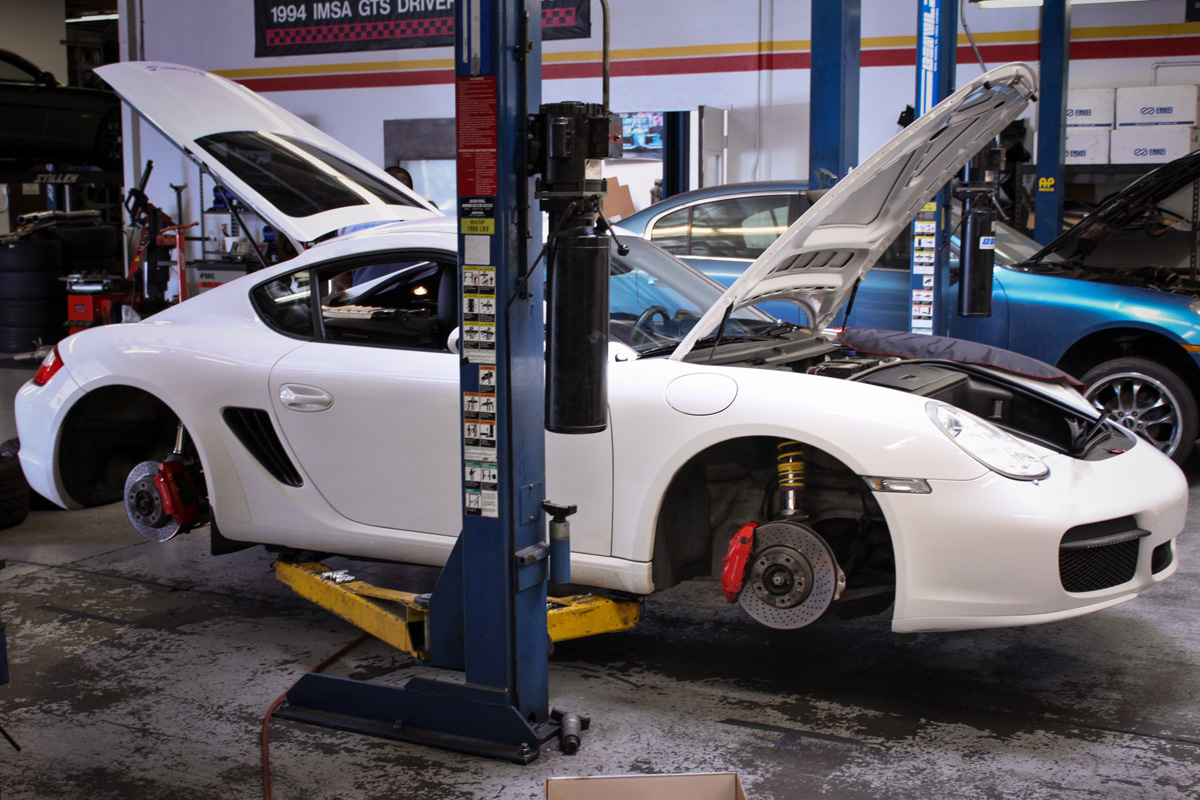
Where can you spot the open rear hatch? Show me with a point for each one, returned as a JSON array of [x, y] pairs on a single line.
[[304, 182]]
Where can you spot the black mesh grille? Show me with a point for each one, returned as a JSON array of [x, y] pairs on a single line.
[[1088, 569], [253, 428]]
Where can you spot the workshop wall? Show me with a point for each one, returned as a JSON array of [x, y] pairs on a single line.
[[750, 57], [36, 31]]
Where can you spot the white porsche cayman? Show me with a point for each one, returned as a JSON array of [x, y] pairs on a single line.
[[314, 405]]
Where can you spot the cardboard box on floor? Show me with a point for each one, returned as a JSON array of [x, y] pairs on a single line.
[[697, 786], [618, 202]]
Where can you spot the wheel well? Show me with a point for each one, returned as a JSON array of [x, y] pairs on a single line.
[[108, 432], [1124, 342], [732, 483]]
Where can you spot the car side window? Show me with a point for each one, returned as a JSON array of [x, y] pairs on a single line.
[[671, 232], [735, 227], [286, 303], [401, 302], [11, 73]]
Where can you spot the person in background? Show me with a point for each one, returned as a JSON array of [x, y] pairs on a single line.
[[401, 174]]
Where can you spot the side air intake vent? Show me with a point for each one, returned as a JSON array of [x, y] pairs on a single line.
[[253, 428]]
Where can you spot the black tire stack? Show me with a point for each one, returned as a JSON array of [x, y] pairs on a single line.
[[33, 305], [14, 491]]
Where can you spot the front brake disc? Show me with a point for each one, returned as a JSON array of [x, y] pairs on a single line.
[[792, 576]]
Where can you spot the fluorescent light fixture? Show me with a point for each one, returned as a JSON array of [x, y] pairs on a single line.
[[1027, 3], [95, 18]]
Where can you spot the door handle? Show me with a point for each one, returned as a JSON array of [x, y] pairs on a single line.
[[299, 397]]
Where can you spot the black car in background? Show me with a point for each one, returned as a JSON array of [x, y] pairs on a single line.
[[42, 121]]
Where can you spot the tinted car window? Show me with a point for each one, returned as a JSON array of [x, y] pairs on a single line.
[[286, 303], [11, 73], [401, 302], [297, 178], [737, 227]]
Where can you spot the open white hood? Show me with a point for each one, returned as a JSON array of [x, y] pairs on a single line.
[[304, 182], [817, 261]]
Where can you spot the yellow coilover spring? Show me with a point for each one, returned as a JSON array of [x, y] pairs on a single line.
[[790, 466]]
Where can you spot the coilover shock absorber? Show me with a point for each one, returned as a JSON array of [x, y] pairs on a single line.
[[790, 466]]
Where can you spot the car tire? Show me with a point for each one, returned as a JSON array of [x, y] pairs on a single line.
[[31, 255], [90, 243], [1149, 399], [30, 286], [27, 313], [25, 339], [14, 491]]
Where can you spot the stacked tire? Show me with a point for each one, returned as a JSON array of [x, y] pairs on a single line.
[[88, 250], [33, 302], [14, 491], [33, 305]]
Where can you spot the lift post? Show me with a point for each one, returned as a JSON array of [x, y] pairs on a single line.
[[487, 614], [937, 43]]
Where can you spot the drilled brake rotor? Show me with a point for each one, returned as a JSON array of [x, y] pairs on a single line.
[[792, 576], [143, 504]]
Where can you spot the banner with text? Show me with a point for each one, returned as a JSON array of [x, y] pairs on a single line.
[[304, 27]]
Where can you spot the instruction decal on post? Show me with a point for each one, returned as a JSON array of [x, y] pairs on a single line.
[[478, 337], [475, 107]]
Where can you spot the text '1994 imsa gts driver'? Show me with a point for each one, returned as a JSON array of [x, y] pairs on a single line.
[[314, 405]]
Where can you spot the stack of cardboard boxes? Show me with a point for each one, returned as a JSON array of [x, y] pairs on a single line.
[[1089, 125], [1134, 125], [1155, 124]]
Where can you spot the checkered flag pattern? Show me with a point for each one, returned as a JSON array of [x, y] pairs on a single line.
[[367, 31]]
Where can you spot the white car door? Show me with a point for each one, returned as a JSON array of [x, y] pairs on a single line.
[[370, 409]]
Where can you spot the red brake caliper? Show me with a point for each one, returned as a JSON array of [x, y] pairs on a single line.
[[178, 495], [736, 561]]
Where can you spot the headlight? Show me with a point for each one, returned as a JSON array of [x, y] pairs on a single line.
[[1194, 306], [987, 444]]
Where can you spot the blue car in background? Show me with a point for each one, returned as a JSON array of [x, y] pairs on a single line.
[[1109, 301]]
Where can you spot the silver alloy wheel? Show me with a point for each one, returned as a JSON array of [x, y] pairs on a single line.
[[1142, 404]]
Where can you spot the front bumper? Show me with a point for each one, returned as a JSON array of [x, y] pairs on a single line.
[[985, 553]]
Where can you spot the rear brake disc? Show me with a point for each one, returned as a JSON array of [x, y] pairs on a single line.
[[143, 504]]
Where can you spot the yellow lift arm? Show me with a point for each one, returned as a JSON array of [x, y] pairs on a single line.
[[396, 618]]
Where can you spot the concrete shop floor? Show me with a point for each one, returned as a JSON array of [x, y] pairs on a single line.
[[143, 670]]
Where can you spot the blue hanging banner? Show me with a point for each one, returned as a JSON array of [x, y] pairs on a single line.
[[305, 27]]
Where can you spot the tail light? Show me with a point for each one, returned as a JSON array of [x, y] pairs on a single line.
[[51, 364]]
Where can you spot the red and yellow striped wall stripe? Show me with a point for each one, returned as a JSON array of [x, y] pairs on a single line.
[[1134, 41]]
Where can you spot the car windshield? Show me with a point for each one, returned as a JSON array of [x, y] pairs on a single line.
[[655, 299], [296, 177], [1013, 247]]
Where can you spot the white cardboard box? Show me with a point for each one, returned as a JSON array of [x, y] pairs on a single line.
[[1087, 146], [697, 786], [1090, 108], [1149, 145], [1082, 146], [1158, 105]]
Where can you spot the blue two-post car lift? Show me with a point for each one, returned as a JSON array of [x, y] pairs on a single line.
[[488, 615]]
